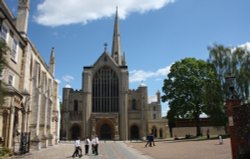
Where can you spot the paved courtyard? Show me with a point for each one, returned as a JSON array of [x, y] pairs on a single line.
[[206, 149]]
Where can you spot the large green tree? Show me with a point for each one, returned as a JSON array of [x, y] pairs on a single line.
[[191, 89], [3, 49], [232, 61]]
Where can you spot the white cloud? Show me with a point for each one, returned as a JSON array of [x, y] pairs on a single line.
[[141, 75], [67, 78], [246, 45], [152, 99], [65, 12]]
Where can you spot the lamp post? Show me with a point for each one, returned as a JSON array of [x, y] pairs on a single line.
[[231, 101]]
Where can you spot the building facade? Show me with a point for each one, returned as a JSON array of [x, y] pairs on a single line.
[[29, 115], [105, 106]]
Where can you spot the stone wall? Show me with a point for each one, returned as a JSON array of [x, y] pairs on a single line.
[[183, 131]]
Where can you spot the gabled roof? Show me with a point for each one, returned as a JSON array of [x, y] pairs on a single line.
[[105, 59]]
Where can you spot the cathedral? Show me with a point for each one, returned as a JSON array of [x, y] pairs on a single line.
[[105, 106]]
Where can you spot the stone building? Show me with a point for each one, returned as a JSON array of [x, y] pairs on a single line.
[[29, 116], [105, 106]]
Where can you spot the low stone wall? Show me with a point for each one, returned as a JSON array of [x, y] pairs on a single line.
[[183, 131]]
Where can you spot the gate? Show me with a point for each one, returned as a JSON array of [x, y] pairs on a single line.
[[25, 142]]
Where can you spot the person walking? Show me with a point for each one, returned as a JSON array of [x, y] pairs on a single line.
[[87, 143], [96, 145], [152, 139], [148, 141], [93, 144], [78, 150], [208, 134]]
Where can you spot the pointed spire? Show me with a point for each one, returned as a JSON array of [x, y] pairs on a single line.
[[52, 61], [116, 47]]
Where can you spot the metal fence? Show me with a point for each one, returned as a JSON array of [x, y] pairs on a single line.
[[25, 142]]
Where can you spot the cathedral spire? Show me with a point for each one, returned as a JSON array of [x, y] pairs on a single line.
[[116, 47]]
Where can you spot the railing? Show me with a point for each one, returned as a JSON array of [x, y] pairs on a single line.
[[25, 142]]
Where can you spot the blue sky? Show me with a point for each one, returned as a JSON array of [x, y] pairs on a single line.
[[154, 34]]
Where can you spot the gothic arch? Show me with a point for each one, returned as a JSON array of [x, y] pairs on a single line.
[[75, 131], [105, 90], [134, 132], [105, 129], [161, 133], [154, 131]]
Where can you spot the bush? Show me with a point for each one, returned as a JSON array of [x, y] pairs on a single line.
[[5, 152]]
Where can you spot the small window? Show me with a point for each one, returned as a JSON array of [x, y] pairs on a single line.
[[75, 105], [14, 49], [154, 108], [154, 116], [4, 32], [133, 104], [11, 80]]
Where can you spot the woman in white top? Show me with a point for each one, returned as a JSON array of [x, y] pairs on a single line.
[[87, 142], [78, 150]]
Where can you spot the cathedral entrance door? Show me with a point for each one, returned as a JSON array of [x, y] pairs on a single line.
[[75, 132], [105, 132], [134, 132]]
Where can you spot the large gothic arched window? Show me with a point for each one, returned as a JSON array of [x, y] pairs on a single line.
[[105, 88]]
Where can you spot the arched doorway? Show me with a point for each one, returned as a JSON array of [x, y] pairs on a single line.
[[161, 133], [105, 129], [134, 132], [105, 132], [75, 132], [154, 131]]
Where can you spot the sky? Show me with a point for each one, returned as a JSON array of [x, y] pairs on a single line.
[[154, 34]]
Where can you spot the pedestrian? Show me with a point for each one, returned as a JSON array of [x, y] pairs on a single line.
[[208, 134], [152, 139], [87, 142], [220, 140], [148, 141], [93, 145], [97, 145], [78, 150]]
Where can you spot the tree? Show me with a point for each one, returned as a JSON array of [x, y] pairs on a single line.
[[192, 88], [3, 49], [234, 61]]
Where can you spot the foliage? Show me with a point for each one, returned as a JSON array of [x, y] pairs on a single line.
[[234, 61], [3, 50], [192, 88], [5, 152]]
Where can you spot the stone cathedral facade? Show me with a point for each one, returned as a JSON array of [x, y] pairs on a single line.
[[105, 106]]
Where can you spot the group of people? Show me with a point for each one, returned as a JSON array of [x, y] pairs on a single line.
[[93, 143], [150, 140]]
